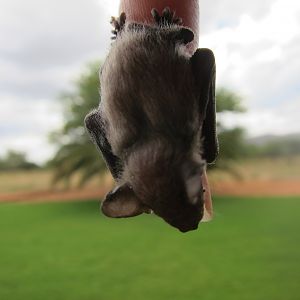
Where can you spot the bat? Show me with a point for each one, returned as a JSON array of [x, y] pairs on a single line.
[[156, 122]]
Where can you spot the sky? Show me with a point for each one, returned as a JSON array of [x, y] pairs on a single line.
[[45, 44]]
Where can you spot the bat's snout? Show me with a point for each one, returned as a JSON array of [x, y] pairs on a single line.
[[188, 227]]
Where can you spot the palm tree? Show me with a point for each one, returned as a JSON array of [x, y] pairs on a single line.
[[232, 140]]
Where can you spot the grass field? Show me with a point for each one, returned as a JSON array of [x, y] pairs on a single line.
[[69, 251]]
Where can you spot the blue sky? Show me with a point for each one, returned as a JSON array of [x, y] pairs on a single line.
[[44, 45]]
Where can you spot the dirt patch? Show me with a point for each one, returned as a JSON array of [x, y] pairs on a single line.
[[257, 188], [230, 188], [52, 196]]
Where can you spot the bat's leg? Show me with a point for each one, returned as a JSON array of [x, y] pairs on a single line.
[[167, 17], [95, 127], [118, 24]]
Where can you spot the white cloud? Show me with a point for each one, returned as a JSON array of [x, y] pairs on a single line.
[[259, 58], [219, 13], [279, 120], [42, 114], [36, 147], [43, 47], [43, 43], [111, 6], [27, 125]]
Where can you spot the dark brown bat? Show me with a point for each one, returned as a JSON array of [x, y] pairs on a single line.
[[156, 125]]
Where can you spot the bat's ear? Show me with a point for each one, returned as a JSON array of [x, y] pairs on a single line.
[[123, 203], [185, 35], [204, 69]]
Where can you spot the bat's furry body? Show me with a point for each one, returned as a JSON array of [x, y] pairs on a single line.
[[132, 104], [151, 121]]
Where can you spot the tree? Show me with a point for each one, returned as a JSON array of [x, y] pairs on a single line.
[[228, 101], [232, 141], [76, 152], [14, 160]]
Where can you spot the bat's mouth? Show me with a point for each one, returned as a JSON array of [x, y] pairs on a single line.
[[187, 228], [186, 219]]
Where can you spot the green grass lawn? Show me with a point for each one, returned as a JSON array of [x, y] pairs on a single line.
[[69, 251]]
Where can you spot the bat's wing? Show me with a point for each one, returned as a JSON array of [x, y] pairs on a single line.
[[95, 127], [204, 68]]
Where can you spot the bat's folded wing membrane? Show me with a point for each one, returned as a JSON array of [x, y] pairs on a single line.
[[96, 129], [204, 68]]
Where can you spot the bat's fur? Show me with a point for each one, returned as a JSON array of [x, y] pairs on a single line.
[[152, 119]]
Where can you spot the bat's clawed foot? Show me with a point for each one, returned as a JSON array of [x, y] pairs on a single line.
[[167, 17], [118, 24]]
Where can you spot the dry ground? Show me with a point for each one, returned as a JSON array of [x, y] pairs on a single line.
[[264, 177]]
